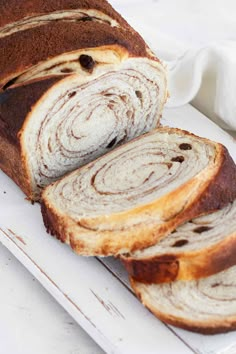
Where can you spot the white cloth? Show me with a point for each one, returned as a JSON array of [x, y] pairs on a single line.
[[208, 77], [197, 40]]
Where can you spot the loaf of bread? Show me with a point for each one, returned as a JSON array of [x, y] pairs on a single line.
[[135, 195], [75, 81], [207, 305], [197, 249]]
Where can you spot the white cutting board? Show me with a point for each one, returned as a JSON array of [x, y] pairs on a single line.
[[96, 292]]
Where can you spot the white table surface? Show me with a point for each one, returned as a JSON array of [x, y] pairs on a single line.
[[31, 321]]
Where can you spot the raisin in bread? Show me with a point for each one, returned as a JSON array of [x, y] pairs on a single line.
[[140, 192], [207, 305], [199, 248], [75, 81]]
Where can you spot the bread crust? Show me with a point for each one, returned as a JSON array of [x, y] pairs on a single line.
[[22, 50], [221, 182], [12, 119], [11, 163], [221, 325], [15, 10]]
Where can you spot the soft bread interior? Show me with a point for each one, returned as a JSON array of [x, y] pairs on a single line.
[[198, 234], [84, 116], [132, 176]]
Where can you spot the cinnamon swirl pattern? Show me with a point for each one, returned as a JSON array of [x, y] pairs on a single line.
[[81, 119], [81, 83], [199, 248], [207, 306], [135, 195], [66, 16]]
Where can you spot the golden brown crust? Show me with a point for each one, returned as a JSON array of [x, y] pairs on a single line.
[[155, 270], [16, 103], [223, 189], [107, 243], [184, 266], [84, 239], [24, 49], [206, 327], [15, 10], [11, 164]]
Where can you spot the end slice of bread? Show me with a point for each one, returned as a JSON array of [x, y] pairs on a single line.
[[206, 306]]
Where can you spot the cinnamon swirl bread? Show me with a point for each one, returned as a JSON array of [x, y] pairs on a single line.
[[75, 81], [197, 249], [207, 305], [140, 192]]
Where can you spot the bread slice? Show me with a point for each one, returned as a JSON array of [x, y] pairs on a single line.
[[137, 194], [199, 248], [206, 306]]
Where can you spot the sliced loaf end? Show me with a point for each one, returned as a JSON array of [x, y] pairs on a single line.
[[207, 306]]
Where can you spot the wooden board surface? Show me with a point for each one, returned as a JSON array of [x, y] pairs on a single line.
[[95, 291]]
